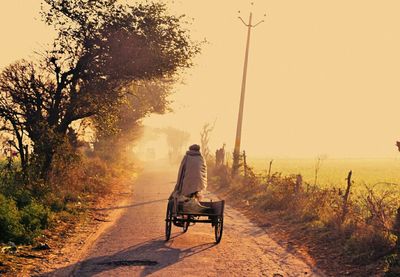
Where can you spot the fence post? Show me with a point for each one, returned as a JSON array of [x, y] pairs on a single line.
[[346, 196], [299, 183], [245, 163], [269, 170]]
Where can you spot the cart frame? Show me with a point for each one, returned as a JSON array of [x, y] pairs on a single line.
[[184, 219]]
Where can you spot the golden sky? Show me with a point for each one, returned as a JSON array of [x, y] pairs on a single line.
[[323, 76]]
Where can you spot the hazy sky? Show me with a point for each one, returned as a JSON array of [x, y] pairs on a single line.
[[323, 76]]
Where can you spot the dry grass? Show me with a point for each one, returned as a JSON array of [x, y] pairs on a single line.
[[362, 226]]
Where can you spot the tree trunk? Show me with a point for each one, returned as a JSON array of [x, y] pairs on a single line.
[[46, 167]]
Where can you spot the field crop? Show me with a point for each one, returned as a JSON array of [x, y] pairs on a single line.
[[333, 172]]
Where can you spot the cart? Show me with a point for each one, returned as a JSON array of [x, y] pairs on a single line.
[[184, 219]]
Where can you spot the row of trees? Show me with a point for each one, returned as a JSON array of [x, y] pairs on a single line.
[[110, 64]]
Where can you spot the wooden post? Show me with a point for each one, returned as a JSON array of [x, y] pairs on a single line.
[[346, 196], [299, 182], [269, 170], [317, 166], [244, 163], [223, 154]]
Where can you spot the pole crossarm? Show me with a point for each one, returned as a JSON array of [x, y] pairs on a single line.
[[251, 26], [258, 23], [245, 24]]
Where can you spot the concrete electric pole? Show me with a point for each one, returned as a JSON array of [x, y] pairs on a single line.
[[236, 152]]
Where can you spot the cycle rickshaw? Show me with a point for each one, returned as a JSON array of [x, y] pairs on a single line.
[[178, 216]]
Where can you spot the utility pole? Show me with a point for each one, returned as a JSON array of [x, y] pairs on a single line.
[[236, 152]]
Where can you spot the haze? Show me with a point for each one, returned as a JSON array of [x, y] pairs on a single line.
[[322, 77]]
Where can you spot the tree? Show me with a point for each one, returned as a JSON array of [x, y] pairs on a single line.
[[101, 49], [116, 132], [204, 139], [176, 140]]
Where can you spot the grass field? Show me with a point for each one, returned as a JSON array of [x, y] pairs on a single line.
[[333, 172]]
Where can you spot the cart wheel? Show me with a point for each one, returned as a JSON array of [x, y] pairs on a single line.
[[219, 226], [168, 221]]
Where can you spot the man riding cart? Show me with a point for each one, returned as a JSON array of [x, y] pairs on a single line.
[[191, 182], [184, 207]]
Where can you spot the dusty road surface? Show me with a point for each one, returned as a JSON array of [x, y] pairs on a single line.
[[135, 246]]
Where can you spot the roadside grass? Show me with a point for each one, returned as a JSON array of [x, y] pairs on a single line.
[[32, 214], [28, 208], [360, 229]]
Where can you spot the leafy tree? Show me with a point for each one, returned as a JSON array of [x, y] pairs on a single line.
[[116, 131], [176, 140], [102, 47]]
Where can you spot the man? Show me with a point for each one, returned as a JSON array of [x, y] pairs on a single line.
[[192, 180]]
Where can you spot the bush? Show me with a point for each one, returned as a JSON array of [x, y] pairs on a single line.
[[97, 176], [34, 218], [22, 198], [362, 226], [28, 202], [10, 226], [10, 182], [21, 226], [366, 244], [57, 205]]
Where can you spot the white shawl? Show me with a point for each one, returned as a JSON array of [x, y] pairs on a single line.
[[192, 175]]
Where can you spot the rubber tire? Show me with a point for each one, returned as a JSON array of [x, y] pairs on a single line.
[[219, 227], [168, 221]]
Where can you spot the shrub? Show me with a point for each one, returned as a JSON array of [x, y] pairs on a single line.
[[97, 175], [22, 198], [10, 226], [57, 205], [364, 231], [21, 226], [367, 243], [34, 217]]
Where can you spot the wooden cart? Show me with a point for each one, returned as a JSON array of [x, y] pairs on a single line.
[[183, 219]]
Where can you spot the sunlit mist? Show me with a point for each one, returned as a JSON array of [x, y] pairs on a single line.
[[322, 76]]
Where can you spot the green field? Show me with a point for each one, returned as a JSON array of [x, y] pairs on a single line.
[[333, 172]]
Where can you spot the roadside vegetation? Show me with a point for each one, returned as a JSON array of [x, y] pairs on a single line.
[[69, 116], [360, 228]]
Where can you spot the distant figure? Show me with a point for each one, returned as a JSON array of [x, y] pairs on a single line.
[[192, 179], [398, 145]]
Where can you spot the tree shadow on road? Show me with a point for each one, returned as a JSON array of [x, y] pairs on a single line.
[[151, 256]]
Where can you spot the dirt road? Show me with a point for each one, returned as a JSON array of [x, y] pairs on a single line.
[[135, 246]]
